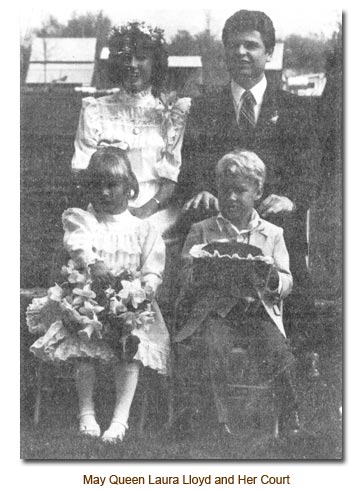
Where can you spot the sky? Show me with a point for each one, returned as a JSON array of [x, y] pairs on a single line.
[[297, 16]]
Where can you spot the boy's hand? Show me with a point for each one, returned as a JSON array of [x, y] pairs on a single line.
[[100, 271], [259, 277]]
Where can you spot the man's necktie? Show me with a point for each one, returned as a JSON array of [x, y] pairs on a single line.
[[247, 119]]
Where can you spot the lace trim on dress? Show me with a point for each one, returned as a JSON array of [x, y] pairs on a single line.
[[57, 345], [153, 356]]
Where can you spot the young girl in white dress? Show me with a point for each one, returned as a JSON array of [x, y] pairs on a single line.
[[109, 239]]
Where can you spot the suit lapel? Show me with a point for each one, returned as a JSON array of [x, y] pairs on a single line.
[[268, 110], [227, 117]]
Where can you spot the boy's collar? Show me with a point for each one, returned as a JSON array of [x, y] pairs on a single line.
[[255, 223]]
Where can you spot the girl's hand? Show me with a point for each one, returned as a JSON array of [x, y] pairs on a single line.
[[100, 271], [150, 292]]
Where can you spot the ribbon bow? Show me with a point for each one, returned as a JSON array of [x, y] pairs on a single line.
[[114, 143]]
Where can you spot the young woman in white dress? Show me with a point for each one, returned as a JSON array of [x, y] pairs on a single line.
[[139, 118]]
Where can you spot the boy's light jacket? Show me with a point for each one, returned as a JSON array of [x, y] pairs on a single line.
[[269, 238]]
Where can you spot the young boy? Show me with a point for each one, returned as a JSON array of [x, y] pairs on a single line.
[[227, 315]]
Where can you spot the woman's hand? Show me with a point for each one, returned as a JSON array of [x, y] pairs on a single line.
[[146, 210], [204, 200], [158, 202], [274, 204]]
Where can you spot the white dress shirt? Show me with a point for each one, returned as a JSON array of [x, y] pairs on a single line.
[[257, 92]]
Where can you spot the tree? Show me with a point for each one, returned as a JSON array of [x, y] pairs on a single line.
[[78, 26], [50, 28], [305, 54], [210, 49], [183, 44]]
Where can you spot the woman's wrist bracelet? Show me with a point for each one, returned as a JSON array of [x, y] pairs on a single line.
[[156, 201]]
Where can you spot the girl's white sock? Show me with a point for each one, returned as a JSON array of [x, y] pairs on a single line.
[[85, 380], [126, 383]]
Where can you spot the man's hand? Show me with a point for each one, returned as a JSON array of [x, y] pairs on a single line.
[[204, 200], [274, 204]]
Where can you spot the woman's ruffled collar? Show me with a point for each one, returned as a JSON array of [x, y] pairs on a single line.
[[137, 96]]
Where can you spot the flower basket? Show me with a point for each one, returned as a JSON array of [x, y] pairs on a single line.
[[229, 266]]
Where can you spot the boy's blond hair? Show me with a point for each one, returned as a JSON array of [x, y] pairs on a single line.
[[246, 163]]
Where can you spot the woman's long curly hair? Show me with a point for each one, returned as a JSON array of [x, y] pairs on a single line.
[[126, 40]]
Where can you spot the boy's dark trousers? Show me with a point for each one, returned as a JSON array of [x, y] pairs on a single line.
[[265, 343]]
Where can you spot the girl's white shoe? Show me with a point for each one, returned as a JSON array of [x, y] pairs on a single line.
[[115, 433], [88, 425]]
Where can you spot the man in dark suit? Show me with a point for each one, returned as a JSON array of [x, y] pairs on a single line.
[[276, 125]]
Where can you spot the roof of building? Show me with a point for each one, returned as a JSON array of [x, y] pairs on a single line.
[[63, 50], [185, 61], [62, 60]]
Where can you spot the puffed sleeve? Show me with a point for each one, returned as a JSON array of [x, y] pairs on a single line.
[[174, 128], [79, 226], [87, 134], [153, 257]]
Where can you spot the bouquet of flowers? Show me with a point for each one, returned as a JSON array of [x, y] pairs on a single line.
[[91, 311]]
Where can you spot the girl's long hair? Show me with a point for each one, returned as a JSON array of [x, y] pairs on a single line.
[[109, 162]]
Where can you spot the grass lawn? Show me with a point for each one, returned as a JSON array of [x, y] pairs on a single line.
[[57, 437]]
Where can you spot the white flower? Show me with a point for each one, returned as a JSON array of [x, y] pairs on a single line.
[[90, 309], [133, 291], [92, 326], [70, 311], [82, 294], [109, 292], [145, 319], [274, 118], [73, 275], [183, 104], [117, 306], [55, 293]]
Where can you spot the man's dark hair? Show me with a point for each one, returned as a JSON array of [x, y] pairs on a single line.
[[251, 20]]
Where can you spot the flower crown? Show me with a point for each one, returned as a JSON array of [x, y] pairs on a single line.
[[126, 37]]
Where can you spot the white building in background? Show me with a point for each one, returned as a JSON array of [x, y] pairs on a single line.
[[68, 61], [310, 84]]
